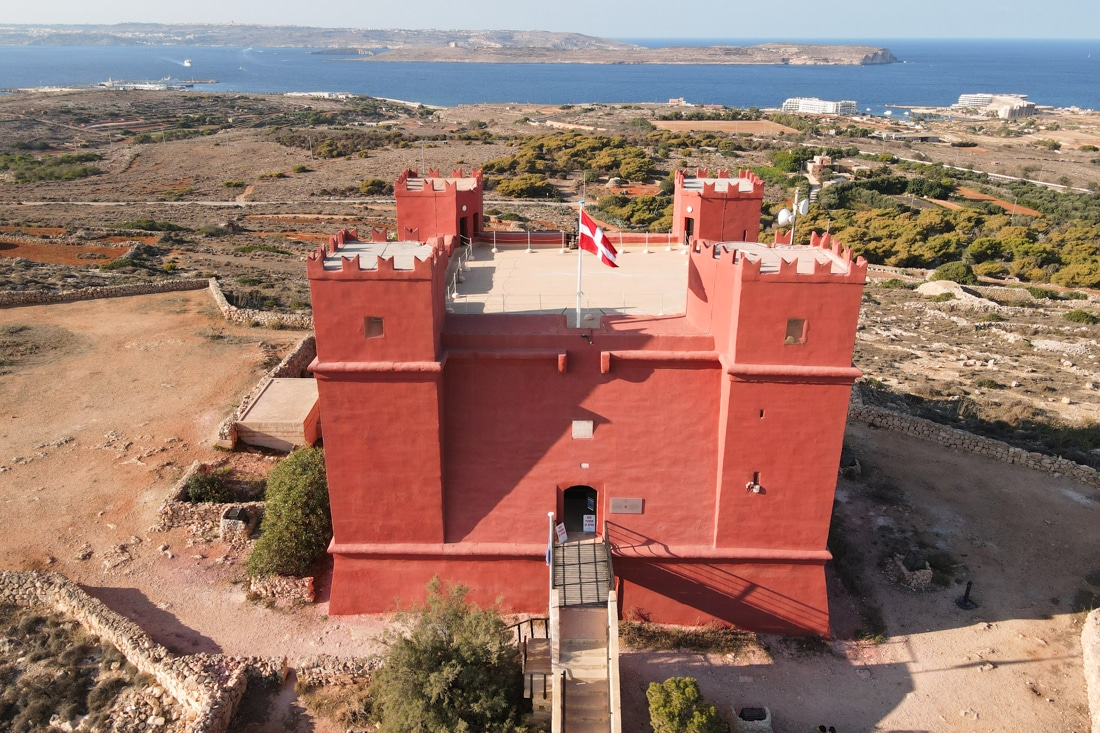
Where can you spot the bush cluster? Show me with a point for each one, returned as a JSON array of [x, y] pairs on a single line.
[[449, 667], [297, 524], [677, 706]]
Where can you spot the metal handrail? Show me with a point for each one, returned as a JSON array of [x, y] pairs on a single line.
[[607, 549], [530, 623], [545, 683]]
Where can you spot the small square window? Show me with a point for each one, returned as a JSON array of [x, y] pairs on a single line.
[[372, 327], [582, 429], [796, 331]]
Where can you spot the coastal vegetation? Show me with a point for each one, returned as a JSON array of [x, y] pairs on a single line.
[[25, 167]]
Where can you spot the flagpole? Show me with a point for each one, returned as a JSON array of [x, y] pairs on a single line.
[[580, 209]]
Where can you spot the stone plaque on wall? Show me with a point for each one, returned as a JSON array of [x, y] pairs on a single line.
[[627, 506]]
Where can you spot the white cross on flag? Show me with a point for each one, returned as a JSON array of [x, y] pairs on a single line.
[[592, 239]]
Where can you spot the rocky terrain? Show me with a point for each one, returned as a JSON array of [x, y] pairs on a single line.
[[105, 403]]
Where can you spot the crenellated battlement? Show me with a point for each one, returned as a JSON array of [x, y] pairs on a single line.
[[346, 257], [410, 181], [823, 260], [745, 185]]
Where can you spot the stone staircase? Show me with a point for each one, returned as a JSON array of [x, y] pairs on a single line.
[[583, 659], [581, 582]]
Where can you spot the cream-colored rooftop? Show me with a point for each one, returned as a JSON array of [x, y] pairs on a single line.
[[721, 185], [403, 254], [544, 280], [438, 184], [806, 258]]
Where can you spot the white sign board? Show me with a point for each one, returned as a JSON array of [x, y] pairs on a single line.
[[589, 522], [560, 530]]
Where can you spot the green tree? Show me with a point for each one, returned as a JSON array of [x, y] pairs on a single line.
[[959, 272], [528, 186], [677, 706], [297, 524], [448, 669]]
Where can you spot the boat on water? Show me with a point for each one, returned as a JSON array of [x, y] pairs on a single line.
[[187, 63]]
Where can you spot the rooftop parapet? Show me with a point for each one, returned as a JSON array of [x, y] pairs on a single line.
[[411, 181], [823, 260], [745, 184], [346, 257]]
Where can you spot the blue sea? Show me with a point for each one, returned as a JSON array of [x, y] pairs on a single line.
[[934, 72]]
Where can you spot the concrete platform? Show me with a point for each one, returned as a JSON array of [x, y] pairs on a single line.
[[284, 415]]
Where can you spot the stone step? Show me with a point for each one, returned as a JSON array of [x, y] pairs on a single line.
[[538, 656]]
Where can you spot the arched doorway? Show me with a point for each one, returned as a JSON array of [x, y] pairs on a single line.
[[579, 503]]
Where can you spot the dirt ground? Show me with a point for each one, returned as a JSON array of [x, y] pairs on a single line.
[[102, 414]]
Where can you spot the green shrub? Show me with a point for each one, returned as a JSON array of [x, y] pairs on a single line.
[[943, 297], [208, 487], [250, 248], [1080, 316], [959, 272], [897, 284], [233, 184], [528, 186], [301, 169], [297, 524], [677, 706], [152, 225], [449, 667], [375, 187], [710, 639]]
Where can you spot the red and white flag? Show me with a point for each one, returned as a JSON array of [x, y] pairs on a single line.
[[592, 239]]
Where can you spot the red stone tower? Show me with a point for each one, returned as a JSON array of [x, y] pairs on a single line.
[[719, 209], [705, 444], [436, 206]]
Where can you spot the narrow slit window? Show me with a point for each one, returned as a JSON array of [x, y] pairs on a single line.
[[373, 328], [761, 414], [796, 331]]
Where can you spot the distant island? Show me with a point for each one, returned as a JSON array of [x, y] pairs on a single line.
[[372, 44]]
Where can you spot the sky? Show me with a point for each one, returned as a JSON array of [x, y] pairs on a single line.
[[796, 19]]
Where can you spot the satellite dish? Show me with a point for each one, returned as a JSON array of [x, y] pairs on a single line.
[[784, 218], [804, 207]]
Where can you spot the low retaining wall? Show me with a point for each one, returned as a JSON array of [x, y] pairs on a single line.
[[283, 588], [1090, 647], [204, 517], [10, 298], [961, 440], [252, 317], [294, 365], [326, 670], [207, 687]]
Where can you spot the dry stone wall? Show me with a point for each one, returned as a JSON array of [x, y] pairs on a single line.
[[961, 440], [204, 518], [252, 317], [325, 670], [12, 298], [207, 687]]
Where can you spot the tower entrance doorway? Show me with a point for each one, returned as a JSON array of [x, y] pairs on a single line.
[[579, 509]]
